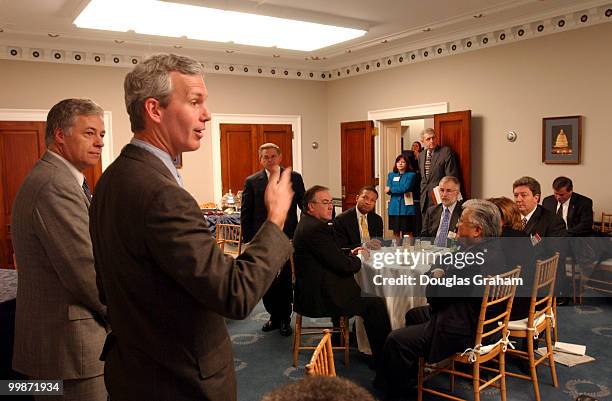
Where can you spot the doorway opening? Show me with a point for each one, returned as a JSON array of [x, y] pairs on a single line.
[[398, 128]]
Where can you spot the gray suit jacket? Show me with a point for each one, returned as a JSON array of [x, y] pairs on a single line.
[[60, 321], [168, 286], [443, 163]]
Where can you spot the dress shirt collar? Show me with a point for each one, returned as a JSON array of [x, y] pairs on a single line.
[[78, 176], [161, 155], [528, 216], [451, 208], [565, 206]]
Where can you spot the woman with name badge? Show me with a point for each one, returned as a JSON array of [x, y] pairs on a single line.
[[401, 206]]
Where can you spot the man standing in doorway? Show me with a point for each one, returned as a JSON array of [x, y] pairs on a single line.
[[435, 162], [279, 296]]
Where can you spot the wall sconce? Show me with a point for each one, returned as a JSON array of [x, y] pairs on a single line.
[[315, 145], [511, 136]]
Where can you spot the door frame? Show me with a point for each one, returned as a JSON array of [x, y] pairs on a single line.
[[219, 118], [399, 113], [41, 115]]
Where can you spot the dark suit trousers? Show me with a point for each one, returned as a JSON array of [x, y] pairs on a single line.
[[375, 320], [397, 370], [277, 300]]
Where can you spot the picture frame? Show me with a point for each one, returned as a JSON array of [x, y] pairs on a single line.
[[561, 140], [178, 161]]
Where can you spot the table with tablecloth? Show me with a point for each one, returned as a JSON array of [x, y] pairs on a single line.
[[214, 219], [398, 298]]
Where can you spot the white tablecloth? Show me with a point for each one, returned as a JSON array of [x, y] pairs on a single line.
[[399, 299]]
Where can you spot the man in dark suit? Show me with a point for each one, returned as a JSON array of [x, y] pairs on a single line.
[[576, 210], [546, 229], [279, 296], [441, 219], [167, 284], [360, 224], [60, 322], [448, 324], [325, 283], [435, 162]]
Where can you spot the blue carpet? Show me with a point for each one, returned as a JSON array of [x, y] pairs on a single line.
[[264, 360]]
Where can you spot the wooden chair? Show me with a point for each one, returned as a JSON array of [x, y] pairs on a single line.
[[300, 331], [606, 222], [540, 319], [322, 361], [600, 280], [229, 234], [494, 317]]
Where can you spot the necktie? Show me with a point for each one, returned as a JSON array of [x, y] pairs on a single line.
[[524, 222], [560, 210], [443, 234], [427, 162], [363, 223], [86, 189], [179, 179]]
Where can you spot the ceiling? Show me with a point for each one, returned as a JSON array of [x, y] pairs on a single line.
[[398, 30]]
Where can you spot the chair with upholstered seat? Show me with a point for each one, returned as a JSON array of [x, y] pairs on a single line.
[[540, 319], [322, 361], [492, 323], [229, 234]]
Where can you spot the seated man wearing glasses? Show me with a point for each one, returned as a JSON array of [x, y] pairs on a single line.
[[448, 324], [324, 274], [442, 218]]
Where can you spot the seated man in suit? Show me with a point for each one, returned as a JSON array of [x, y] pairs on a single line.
[[576, 210], [448, 324], [325, 285], [546, 229], [441, 219], [360, 224]]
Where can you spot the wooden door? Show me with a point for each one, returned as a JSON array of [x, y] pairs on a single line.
[[281, 135], [22, 143], [357, 159], [238, 154], [239, 150], [453, 130]]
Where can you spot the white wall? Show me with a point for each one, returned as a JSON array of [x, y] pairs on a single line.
[[35, 85], [509, 87]]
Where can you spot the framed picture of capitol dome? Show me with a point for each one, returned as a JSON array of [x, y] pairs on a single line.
[[561, 138]]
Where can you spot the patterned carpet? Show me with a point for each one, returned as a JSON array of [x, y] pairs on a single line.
[[264, 360]]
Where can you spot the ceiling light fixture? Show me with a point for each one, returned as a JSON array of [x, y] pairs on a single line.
[[164, 18]]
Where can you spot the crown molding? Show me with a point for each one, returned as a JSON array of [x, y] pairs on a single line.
[[348, 65]]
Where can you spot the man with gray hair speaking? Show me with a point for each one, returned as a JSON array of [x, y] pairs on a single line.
[[168, 285]]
